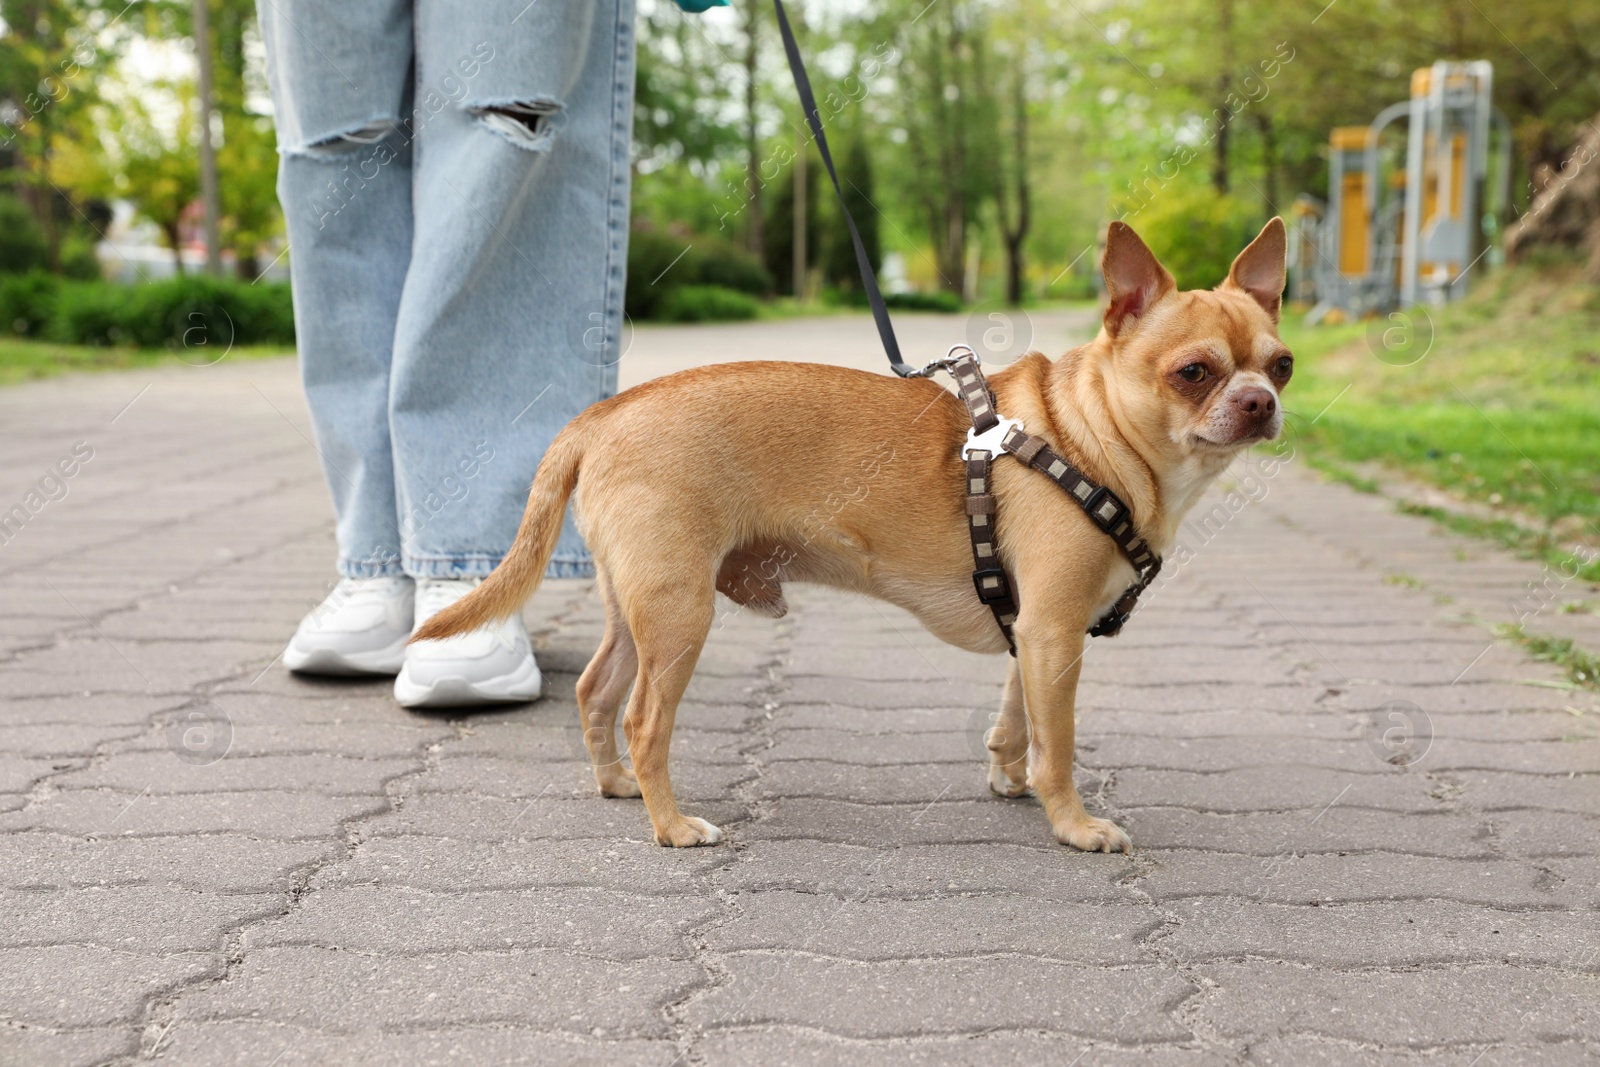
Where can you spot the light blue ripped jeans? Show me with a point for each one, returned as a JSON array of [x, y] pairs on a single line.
[[455, 183]]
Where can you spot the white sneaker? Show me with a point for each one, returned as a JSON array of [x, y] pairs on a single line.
[[361, 628], [491, 665]]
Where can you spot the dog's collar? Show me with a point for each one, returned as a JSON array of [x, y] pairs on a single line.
[[991, 436]]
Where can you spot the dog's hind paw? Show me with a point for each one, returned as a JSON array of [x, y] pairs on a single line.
[[1094, 835], [688, 832], [619, 783], [1002, 784]]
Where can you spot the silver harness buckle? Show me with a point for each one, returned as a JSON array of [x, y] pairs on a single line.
[[990, 439]]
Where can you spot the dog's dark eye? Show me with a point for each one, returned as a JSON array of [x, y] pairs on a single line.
[[1283, 368], [1194, 372]]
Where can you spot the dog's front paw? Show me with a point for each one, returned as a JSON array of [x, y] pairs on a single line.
[[620, 782], [688, 832], [1002, 784], [1094, 835]]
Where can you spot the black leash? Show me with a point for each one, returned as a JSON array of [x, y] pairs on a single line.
[[869, 279]]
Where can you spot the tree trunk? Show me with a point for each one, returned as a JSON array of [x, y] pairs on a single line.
[[1015, 231], [1219, 166], [174, 236], [1269, 158], [802, 257], [45, 190], [754, 238]]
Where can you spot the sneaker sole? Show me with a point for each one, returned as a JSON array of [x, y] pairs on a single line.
[[452, 691], [384, 661]]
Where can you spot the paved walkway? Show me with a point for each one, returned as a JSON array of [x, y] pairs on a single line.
[[350, 883]]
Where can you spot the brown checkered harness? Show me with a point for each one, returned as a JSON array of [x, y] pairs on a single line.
[[992, 435]]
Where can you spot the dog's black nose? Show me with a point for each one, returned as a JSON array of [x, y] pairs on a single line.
[[1256, 401]]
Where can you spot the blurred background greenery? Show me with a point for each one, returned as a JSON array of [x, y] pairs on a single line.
[[984, 144]]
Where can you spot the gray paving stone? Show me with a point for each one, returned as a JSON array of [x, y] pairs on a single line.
[[1253, 751], [1339, 829], [19, 775], [856, 872], [1378, 934], [165, 773], [902, 824], [571, 777], [888, 721], [104, 813], [80, 986], [804, 1048], [1313, 1052], [950, 924], [1290, 877], [31, 1047], [862, 693], [1268, 788], [903, 783], [1489, 791], [149, 919], [1537, 833], [191, 1044], [441, 863], [219, 862], [63, 739], [870, 749], [395, 739], [87, 710], [387, 919], [1487, 1004], [347, 992], [498, 819], [946, 996], [557, 739]]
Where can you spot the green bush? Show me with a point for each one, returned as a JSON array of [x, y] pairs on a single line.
[[78, 260], [948, 303], [92, 313], [1195, 232], [659, 263], [27, 302], [705, 303], [21, 245], [186, 312]]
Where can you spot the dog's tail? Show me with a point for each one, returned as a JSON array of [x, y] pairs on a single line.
[[510, 585]]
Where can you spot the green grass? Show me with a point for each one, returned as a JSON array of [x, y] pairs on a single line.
[[1504, 409], [1581, 668], [22, 361]]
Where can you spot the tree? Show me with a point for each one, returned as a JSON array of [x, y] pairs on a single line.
[[754, 237], [157, 170], [780, 227], [948, 116], [855, 175], [1013, 204], [50, 53], [247, 157]]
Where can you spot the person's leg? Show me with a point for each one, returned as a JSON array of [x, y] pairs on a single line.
[[512, 312], [341, 77]]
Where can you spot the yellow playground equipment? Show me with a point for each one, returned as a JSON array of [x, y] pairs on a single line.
[[1406, 223]]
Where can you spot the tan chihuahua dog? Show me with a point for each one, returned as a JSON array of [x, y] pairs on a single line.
[[738, 477]]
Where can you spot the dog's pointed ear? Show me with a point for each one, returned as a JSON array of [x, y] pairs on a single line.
[[1260, 269], [1135, 279]]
